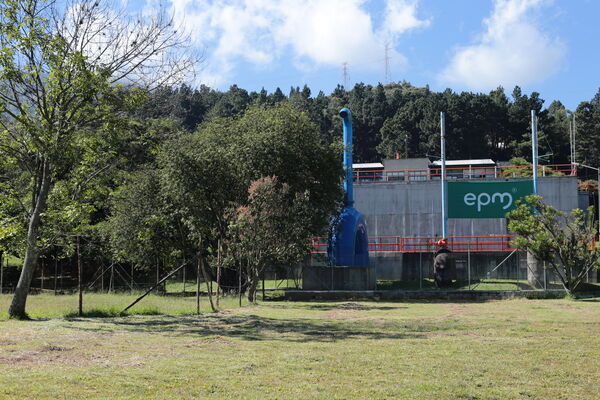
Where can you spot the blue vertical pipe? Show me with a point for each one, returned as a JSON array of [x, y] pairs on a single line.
[[347, 125], [534, 150], [443, 177]]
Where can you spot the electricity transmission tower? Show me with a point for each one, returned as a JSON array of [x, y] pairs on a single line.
[[345, 74], [386, 60]]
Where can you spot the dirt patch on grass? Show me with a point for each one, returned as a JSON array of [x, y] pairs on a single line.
[[61, 355], [213, 343], [353, 306], [351, 311]]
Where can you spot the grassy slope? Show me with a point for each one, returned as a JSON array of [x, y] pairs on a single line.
[[507, 350]]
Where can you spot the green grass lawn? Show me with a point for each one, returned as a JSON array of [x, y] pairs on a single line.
[[514, 349], [51, 306]]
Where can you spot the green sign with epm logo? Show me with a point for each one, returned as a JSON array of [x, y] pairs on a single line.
[[485, 199]]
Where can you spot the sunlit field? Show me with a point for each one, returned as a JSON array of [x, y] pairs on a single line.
[[514, 349]]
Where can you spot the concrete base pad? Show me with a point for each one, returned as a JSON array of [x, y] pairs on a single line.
[[447, 295]]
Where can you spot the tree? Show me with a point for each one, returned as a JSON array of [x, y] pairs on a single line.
[[520, 168], [205, 174], [563, 241], [272, 229], [588, 131], [61, 65]]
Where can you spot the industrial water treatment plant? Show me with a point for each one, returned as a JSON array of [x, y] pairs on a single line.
[[407, 205]]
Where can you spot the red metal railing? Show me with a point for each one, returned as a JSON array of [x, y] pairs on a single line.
[[509, 171], [426, 244]]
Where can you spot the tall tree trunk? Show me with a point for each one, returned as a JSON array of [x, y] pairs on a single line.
[[42, 275], [19, 300], [184, 268], [79, 280], [55, 274], [240, 284], [218, 272], [198, 286], [208, 288], [254, 279], [1, 271]]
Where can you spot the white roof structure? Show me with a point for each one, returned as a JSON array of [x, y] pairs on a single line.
[[373, 165], [450, 163]]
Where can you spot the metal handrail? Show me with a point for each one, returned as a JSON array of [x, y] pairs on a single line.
[[424, 244], [476, 172]]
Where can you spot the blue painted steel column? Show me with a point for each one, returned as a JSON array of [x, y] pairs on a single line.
[[348, 178], [443, 177], [534, 150]]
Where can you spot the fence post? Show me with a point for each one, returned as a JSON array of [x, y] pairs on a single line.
[[111, 283], [420, 271], [55, 274], [184, 277], [545, 277], [469, 265], [132, 282], [1, 272]]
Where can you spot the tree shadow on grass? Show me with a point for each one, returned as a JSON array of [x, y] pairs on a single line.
[[253, 327], [337, 305]]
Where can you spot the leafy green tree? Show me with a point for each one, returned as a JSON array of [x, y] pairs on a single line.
[[563, 241], [141, 228], [554, 134], [203, 175], [55, 88], [231, 103], [282, 142], [273, 228], [520, 167], [588, 131]]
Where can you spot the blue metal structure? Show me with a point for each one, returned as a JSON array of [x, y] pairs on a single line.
[[348, 238]]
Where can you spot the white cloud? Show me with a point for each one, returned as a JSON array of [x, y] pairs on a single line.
[[315, 32], [513, 50], [401, 16]]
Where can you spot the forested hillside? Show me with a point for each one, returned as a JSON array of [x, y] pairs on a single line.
[[400, 118]]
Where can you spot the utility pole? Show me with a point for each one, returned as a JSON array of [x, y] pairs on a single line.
[[534, 150], [443, 177], [574, 139], [535, 268], [572, 135]]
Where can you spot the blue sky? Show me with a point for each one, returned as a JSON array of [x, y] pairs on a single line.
[[541, 45]]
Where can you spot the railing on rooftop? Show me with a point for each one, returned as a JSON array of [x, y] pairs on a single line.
[[470, 173], [426, 244]]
